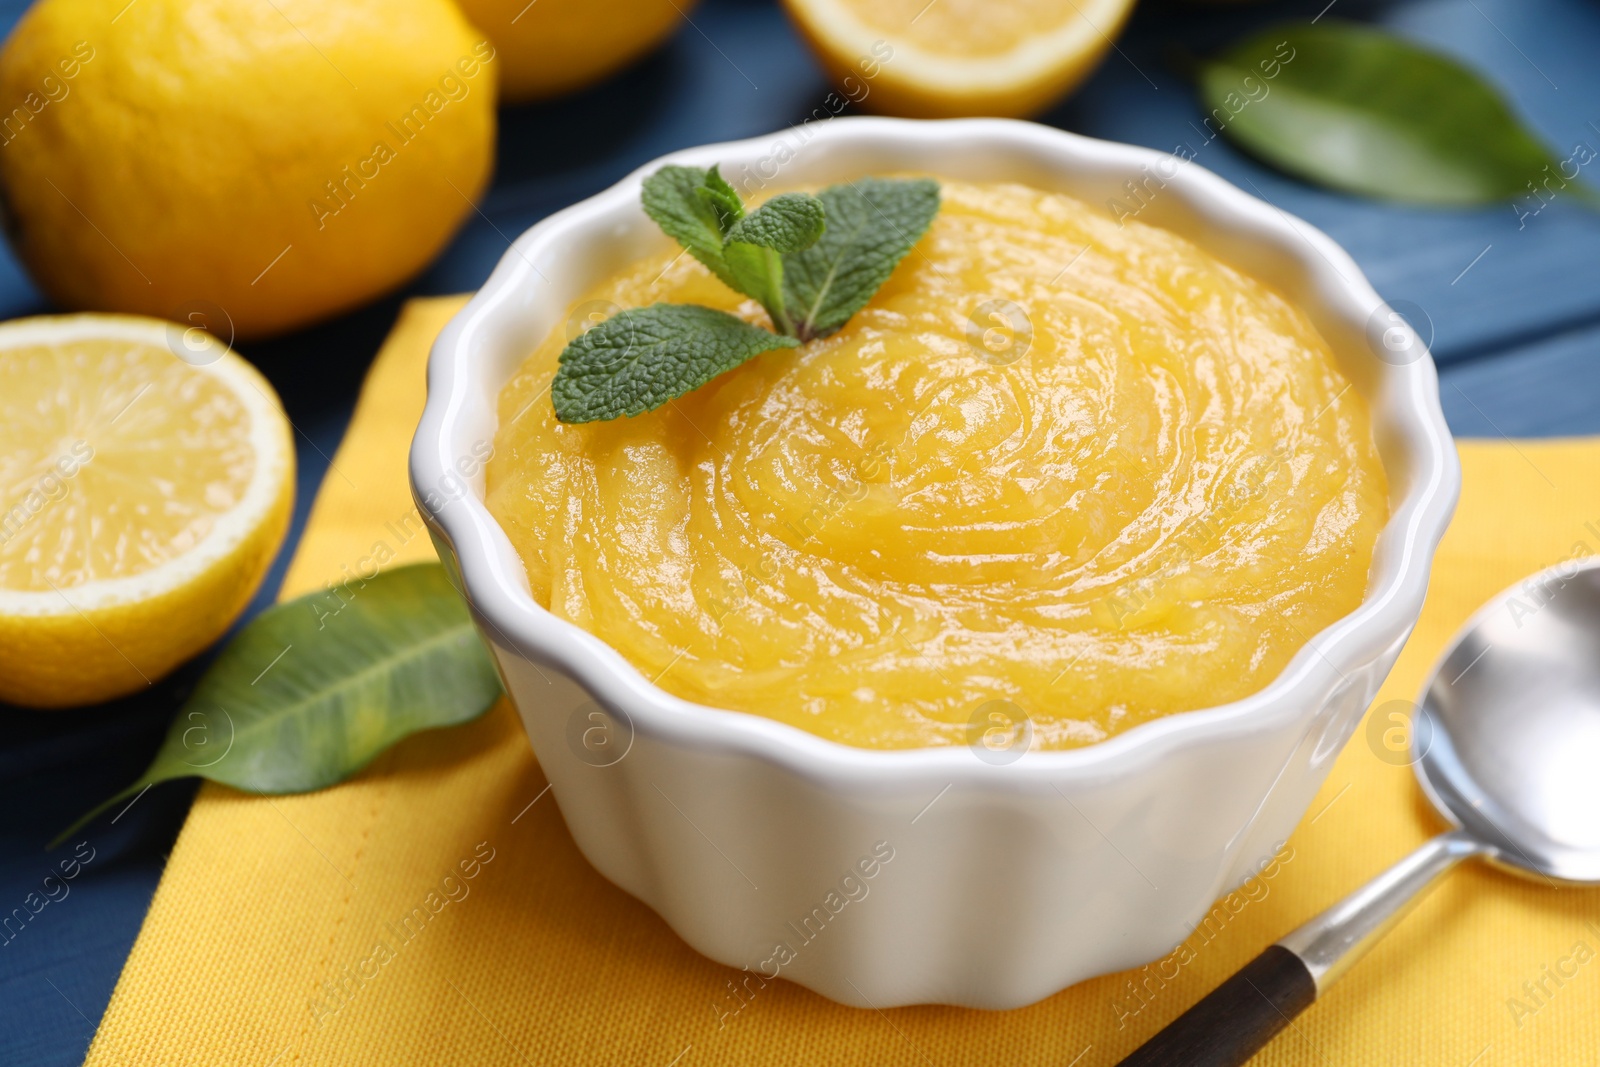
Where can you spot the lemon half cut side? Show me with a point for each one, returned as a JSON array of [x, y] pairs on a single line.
[[146, 482], [955, 58]]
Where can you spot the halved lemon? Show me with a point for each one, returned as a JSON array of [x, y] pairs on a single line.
[[949, 58], [146, 481]]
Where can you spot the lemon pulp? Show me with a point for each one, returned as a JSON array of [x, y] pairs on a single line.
[[964, 28], [77, 478], [1079, 467], [958, 57], [142, 497]]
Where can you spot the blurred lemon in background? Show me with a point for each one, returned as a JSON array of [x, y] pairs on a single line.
[[146, 481], [949, 58], [554, 46], [283, 160]]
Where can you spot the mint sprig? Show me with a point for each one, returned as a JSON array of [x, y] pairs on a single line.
[[811, 261]]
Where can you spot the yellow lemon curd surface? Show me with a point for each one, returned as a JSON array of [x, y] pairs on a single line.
[[1083, 469]]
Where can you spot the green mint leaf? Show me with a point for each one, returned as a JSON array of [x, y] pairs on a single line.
[[312, 689], [672, 199], [638, 360], [872, 224], [789, 222], [758, 272], [1360, 110], [723, 200]]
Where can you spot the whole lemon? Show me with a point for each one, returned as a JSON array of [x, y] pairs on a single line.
[[555, 46], [268, 162]]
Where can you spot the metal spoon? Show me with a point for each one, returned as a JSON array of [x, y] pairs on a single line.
[[1506, 746]]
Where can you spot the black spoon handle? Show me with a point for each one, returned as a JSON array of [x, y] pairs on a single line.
[[1242, 1014], [1235, 1019]]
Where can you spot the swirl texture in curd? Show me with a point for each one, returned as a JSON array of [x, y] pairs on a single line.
[[1083, 468]]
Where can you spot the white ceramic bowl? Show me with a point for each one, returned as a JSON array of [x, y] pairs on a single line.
[[991, 886]]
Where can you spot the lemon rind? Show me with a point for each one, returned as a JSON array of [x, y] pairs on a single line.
[[1036, 59], [269, 439]]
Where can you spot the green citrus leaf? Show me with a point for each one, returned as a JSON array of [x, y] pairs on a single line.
[[313, 689], [1363, 111]]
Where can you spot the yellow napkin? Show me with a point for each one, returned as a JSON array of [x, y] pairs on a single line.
[[319, 928]]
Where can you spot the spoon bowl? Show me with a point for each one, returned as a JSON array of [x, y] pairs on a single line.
[[1507, 741]]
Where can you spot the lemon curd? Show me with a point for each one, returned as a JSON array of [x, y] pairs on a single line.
[[1068, 469]]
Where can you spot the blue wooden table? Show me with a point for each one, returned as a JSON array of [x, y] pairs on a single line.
[[1511, 299]]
